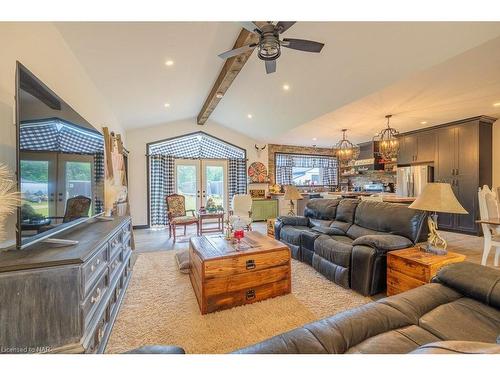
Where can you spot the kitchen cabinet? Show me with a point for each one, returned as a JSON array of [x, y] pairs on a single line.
[[461, 153], [417, 148], [263, 209]]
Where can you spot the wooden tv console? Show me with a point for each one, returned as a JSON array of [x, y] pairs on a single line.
[[65, 299]]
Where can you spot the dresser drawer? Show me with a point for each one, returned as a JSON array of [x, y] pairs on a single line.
[[93, 268], [115, 264], [94, 298], [247, 295], [246, 263], [98, 332], [245, 280], [127, 229], [115, 245]]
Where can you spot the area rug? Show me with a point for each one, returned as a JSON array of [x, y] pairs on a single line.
[[160, 308]]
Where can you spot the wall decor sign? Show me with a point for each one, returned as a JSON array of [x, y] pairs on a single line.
[[257, 172]]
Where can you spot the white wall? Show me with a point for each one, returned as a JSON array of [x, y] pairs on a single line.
[[136, 144], [41, 48]]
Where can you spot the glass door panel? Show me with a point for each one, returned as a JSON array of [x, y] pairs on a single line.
[[37, 193], [187, 182], [76, 177], [214, 182]]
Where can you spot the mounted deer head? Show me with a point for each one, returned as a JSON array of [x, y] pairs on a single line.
[[260, 149]]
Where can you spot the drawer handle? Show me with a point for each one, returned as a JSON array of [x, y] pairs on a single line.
[[100, 334], [250, 264], [97, 297], [250, 294]]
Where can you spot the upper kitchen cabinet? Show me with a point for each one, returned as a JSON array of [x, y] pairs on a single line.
[[418, 147]]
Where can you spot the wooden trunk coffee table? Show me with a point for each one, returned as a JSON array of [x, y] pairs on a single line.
[[223, 277]]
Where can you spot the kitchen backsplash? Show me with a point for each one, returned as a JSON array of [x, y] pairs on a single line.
[[371, 176]]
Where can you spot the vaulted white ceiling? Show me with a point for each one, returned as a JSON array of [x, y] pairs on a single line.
[[433, 72]]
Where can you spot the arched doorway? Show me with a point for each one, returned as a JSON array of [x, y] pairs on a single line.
[[196, 165]]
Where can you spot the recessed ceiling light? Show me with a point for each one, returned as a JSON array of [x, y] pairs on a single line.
[[169, 62], [423, 122], [167, 105], [496, 104], [219, 95], [286, 87], [249, 115], [315, 139]]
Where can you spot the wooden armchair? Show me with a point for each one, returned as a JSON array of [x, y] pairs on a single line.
[[177, 214]]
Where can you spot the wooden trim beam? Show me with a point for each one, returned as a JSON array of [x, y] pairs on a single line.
[[228, 73]]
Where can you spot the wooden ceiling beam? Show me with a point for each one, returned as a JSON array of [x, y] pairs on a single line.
[[228, 73]]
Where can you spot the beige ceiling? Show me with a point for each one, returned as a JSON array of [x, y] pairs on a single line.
[[432, 72]]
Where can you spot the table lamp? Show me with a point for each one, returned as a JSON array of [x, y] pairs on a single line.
[[291, 194], [437, 197]]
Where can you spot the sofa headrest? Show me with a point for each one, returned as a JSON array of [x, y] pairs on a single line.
[[319, 208], [390, 218], [346, 210], [472, 280]]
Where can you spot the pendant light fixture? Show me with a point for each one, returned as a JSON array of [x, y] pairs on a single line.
[[346, 150], [388, 144]]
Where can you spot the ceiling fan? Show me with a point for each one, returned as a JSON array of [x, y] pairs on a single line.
[[269, 45]]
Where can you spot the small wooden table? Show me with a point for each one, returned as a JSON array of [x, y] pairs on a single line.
[[219, 215], [223, 277], [413, 267], [491, 221]]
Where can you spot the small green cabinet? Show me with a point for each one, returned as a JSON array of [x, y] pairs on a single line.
[[263, 209]]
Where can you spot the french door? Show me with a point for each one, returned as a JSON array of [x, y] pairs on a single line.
[[200, 180]]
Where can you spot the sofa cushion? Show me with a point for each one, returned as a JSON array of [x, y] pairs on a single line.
[[294, 220], [356, 231], [346, 209], [335, 250], [399, 341], [486, 286], [319, 223], [340, 225], [458, 347], [390, 218], [291, 234], [329, 231], [384, 242], [453, 321], [323, 209]]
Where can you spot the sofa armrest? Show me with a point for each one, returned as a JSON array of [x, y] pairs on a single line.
[[486, 285], [294, 220], [383, 242], [288, 220]]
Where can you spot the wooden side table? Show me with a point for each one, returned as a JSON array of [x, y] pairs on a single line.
[[270, 227], [219, 215], [412, 267]]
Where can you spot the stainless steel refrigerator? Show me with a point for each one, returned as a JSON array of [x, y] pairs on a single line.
[[410, 181]]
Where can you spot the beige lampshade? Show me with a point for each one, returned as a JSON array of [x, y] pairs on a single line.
[[291, 193], [438, 197]]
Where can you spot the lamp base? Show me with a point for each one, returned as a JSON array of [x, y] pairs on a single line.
[[435, 243], [291, 212]]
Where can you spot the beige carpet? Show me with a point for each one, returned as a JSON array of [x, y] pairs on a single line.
[[160, 308]]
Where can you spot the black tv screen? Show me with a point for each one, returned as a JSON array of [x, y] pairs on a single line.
[[60, 163]]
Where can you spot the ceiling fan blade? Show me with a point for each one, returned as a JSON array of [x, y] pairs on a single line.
[[303, 45], [237, 51], [270, 66], [250, 26], [283, 26]]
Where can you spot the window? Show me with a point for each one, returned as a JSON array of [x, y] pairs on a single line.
[[306, 170]]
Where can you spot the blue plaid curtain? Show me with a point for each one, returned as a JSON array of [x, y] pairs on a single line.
[[328, 166], [161, 185], [99, 182], [237, 177]]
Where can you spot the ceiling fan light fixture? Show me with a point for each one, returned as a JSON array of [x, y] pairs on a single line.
[[219, 95], [388, 143], [345, 150]]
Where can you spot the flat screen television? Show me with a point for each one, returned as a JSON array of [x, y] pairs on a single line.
[[60, 163]]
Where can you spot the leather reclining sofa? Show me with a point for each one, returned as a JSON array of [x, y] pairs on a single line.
[[347, 240], [458, 313]]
